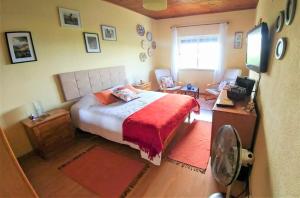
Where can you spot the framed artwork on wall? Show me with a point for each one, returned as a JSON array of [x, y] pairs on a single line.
[[20, 47], [69, 18], [91, 41], [109, 33], [238, 40]]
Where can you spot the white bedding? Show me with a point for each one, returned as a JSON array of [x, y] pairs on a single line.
[[109, 117]]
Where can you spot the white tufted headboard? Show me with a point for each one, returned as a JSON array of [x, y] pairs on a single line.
[[79, 83]]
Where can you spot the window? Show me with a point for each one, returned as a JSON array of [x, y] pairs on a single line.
[[199, 52]]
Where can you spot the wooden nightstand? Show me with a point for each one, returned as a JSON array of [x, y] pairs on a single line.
[[50, 134], [143, 86]]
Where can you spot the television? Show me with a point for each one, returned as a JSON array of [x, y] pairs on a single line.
[[258, 48]]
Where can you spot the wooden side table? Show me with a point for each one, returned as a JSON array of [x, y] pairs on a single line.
[[50, 134], [242, 121], [143, 86]]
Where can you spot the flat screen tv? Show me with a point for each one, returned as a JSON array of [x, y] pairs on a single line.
[[258, 48]]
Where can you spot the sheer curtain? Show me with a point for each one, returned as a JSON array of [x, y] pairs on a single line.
[[222, 42], [174, 54]]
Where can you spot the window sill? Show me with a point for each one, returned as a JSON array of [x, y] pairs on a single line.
[[197, 69]]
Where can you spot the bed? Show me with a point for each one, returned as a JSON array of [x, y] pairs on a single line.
[[147, 123]]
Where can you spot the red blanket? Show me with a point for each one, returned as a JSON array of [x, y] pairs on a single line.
[[152, 125]]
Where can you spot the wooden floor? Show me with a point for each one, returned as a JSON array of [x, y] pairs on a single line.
[[167, 180]]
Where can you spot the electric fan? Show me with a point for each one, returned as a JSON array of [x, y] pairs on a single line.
[[228, 157]]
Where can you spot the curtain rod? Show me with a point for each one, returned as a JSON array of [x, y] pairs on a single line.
[[182, 26]]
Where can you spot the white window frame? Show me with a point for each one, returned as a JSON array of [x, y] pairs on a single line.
[[198, 37]]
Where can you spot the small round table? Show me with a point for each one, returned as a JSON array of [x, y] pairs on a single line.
[[193, 91]]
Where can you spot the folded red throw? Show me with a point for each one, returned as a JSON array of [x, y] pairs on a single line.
[[152, 125]]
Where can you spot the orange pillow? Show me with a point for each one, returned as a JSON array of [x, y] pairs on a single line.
[[106, 97], [130, 87]]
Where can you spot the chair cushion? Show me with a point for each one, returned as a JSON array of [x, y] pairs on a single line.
[[222, 85], [167, 82], [125, 94], [173, 88]]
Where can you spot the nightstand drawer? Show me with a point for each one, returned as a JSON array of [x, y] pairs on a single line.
[[57, 134], [46, 128]]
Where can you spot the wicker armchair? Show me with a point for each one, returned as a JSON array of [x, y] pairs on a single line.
[[159, 73], [229, 78]]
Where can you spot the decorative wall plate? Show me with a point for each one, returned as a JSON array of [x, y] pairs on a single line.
[[280, 48], [140, 30], [142, 56], [153, 45], [279, 21], [290, 10], [150, 51], [144, 44], [149, 36]]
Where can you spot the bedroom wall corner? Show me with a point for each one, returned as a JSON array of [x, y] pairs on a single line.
[[276, 168], [1, 63], [61, 50]]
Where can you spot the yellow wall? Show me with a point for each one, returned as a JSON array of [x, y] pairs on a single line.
[[61, 50], [239, 21], [277, 157], [1, 63]]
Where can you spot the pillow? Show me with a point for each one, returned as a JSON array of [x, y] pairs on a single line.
[[106, 97], [167, 82], [130, 87], [125, 94]]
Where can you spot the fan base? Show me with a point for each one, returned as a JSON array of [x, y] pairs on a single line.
[[217, 195]]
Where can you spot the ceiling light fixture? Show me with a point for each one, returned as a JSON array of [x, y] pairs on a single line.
[[155, 5]]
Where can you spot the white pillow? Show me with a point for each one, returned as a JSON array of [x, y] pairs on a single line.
[[125, 94], [116, 87]]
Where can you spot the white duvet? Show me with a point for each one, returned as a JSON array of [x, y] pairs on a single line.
[[88, 114]]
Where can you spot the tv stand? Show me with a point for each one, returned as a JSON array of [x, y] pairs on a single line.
[[241, 120]]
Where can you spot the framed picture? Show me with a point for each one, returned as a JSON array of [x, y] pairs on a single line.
[[92, 44], [20, 47], [69, 18], [109, 33], [238, 40]]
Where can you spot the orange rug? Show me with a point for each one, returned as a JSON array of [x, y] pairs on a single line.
[[193, 150], [105, 173]]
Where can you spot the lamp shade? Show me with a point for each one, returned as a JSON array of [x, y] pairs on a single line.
[[155, 5]]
